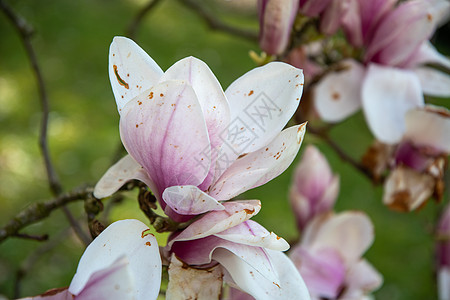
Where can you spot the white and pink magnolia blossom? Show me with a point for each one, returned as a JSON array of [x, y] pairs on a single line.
[[122, 263], [314, 189], [249, 256], [329, 256], [276, 18], [443, 255], [192, 143], [393, 76], [419, 160]]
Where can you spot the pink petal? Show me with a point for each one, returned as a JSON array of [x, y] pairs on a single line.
[[313, 8], [131, 70], [331, 19], [362, 279], [165, 132], [252, 234], [188, 200], [427, 54], [124, 238], [121, 172], [275, 20], [289, 284], [213, 222], [259, 167], [209, 93], [338, 94], [387, 94], [433, 129], [112, 283], [349, 233], [323, 271]]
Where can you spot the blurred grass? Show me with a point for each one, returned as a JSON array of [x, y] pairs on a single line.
[[72, 40]]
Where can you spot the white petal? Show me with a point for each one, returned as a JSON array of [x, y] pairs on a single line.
[[124, 170], [190, 200], [427, 53], [429, 127], [289, 285], [261, 166], [252, 234], [123, 238], [338, 94], [112, 283], [387, 94], [349, 233], [131, 70], [190, 283], [363, 278], [433, 82], [262, 101], [209, 93], [213, 222], [444, 284]]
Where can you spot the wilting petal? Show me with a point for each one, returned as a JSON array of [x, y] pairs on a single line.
[[432, 129], [406, 189], [433, 82], [387, 94], [362, 278], [444, 284], [349, 233], [209, 93], [252, 234], [53, 294], [124, 170], [189, 200], [338, 94], [289, 284], [131, 70], [259, 167], [190, 283], [123, 238], [323, 272], [165, 132], [213, 222], [262, 101], [275, 20], [114, 282]]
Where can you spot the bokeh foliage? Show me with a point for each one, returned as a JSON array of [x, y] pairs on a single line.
[[71, 41]]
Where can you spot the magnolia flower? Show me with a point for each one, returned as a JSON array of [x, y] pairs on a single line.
[[393, 78], [314, 189], [443, 255], [190, 142], [329, 256], [228, 243], [419, 164], [123, 262], [276, 18]]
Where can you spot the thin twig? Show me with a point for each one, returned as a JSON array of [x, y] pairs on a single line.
[[25, 31], [40, 210], [323, 134], [39, 238], [131, 32], [216, 24]]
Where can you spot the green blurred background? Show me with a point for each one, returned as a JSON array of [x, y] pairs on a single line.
[[72, 40]]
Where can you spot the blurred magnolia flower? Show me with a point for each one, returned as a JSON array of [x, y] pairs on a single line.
[[443, 255], [190, 142], [314, 189], [329, 256], [123, 262], [276, 18], [420, 159], [394, 77], [226, 243], [313, 8]]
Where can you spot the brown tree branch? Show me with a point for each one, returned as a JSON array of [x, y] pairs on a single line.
[[25, 31], [216, 24]]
